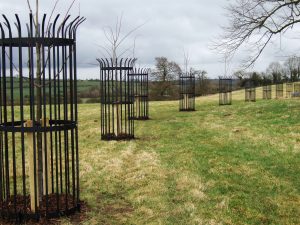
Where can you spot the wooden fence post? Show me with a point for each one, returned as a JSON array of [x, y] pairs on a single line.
[[46, 150], [32, 172], [186, 101], [137, 102], [117, 119]]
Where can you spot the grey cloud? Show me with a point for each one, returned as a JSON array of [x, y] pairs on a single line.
[[170, 27]]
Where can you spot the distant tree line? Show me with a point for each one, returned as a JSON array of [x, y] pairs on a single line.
[[163, 83], [288, 71], [164, 79]]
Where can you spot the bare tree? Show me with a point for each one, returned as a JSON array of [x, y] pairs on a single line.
[[115, 40], [253, 23], [202, 81], [186, 60], [275, 70], [114, 49], [291, 67], [38, 87], [165, 72]]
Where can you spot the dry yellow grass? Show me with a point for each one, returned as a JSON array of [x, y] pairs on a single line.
[[219, 165]]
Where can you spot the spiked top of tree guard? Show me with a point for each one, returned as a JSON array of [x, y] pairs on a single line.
[[39, 161]]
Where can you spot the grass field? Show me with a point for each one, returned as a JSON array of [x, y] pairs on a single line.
[[82, 86], [236, 164]]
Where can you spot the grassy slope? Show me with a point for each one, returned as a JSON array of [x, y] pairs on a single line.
[[234, 164]]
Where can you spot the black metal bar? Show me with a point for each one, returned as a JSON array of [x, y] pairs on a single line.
[[56, 71], [72, 118], [2, 182], [51, 116], [11, 77]]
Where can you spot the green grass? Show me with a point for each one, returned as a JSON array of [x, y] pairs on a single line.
[[236, 164], [82, 86]]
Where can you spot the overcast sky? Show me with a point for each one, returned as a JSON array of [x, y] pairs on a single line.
[[169, 27]]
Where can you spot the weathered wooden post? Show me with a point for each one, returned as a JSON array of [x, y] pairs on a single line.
[[33, 162], [47, 175]]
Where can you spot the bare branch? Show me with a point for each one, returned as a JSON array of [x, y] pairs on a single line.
[[58, 73], [254, 23], [53, 9], [29, 6], [66, 15], [14, 66], [119, 26], [31, 12], [134, 45], [129, 33], [70, 7], [113, 36], [109, 39], [106, 49], [126, 50], [186, 60]]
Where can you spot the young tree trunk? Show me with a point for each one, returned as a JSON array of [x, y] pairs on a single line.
[[39, 105], [38, 119]]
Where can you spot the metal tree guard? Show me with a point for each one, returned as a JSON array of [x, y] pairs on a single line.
[[39, 164], [225, 90], [140, 93], [117, 99], [289, 89], [279, 90], [296, 90], [187, 92], [250, 91], [267, 90]]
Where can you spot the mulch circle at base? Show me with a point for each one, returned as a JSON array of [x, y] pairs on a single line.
[[24, 212], [113, 137]]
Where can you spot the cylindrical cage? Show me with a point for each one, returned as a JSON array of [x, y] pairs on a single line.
[[225, 90], [296, 92], [117, 99], [267, 92], [250, 91], [279, 90], [187, 92], [139, 77], [267, 89], [289, 89], [39, 164]]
